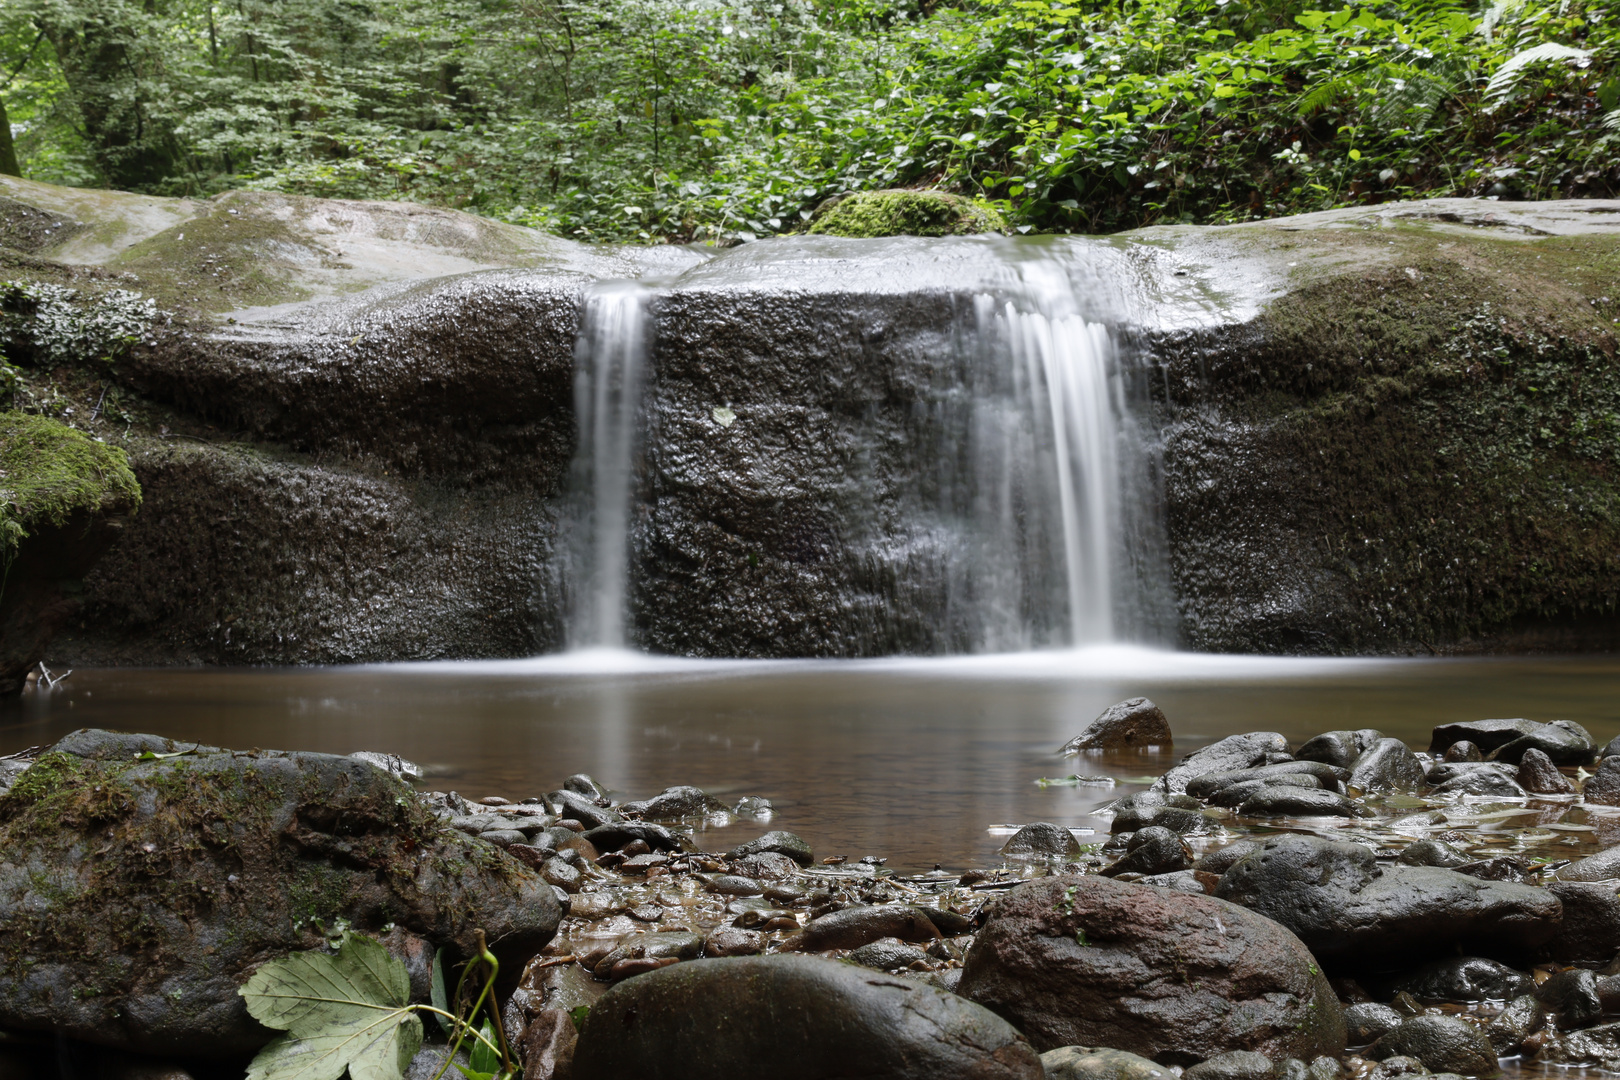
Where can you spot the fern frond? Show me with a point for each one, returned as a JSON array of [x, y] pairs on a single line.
[[1507, 76]]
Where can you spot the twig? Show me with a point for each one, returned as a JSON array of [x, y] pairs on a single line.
[[95, 412], [29, 753]]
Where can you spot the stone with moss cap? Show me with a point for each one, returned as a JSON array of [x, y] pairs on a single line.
[[63, 500], [145, 880], [905, 213]]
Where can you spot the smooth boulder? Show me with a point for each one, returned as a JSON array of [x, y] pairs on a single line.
[[1227, 755], [1100, 1063], [793, 1018], [1352, 912], [1171, 976], [1441, 1043], [1387, 765], [162, 883], [1564, 742], [1134, 724], [1041, 839], [1339, 748]]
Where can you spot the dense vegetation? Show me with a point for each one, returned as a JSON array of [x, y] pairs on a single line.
[[682, 119]]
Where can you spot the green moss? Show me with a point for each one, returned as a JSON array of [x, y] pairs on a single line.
[[50, 473], [906, 213]]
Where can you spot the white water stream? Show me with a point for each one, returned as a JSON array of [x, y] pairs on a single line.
[[1044, 524]]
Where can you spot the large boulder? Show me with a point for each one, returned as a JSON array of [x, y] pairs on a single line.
[[1563, 741], [64, 499], [1133, 724], [1352, 912], [1168, 975], [144, 881], [793, 1018], [1230, 754]]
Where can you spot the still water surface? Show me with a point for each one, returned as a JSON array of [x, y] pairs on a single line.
[[915, 760]]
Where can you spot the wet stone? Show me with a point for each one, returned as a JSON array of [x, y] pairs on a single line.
[[1572, 996], [734, 941], [1041, 839], [1461, 979], [1130, 725], [1603, 786], [1441, 1043], [1598, 1046], [1174, 818], [1433, 853], [572, 806], [1515, 1023], [1233, 752], [1486, 783], [1153, 850], [1604, 866], [888, 954], [503, 837], [1222, 859], [663, 945], [675, 804], [1324, 776], [1339, 748], [1537, 774], [1387, 765], [1396, 1066], [592, 906], [561, 874], [1590, 932], [782, 843], [733, 885], [582, 784], [1463, 751], [765, 866], [616, 834], [1100, 1063], [1277, 801], [753, 808], [1232, 1065], [856, 926], [1370, 1021]]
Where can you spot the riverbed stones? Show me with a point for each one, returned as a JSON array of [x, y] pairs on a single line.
[[162, 883], [1339, 748], [1481, 783], [1307, 773], [1564, 742], [1603, 786], [1100, 1063], [1604, 866], [1590, 933], [1538, 775], [1441, 1043], [808, 1017], [1223, 859], [1041, 839], [675, 804], [1387, 765], [1233, 752], [1134, 724], [1368, 1021], [856, 926], [1597, 1046], [1351, 912], [1153, 850], [1276, 800], [1461, 979], [1433, 853], [1233, 1065], [1463, 750], [1509, 1028], [1088, 961], [779, 841]]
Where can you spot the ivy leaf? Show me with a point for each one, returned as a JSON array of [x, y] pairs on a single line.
[[345, 1011]]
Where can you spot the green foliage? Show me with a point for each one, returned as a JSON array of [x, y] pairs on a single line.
[[719, 119], [346, 1011], [350, 1010]]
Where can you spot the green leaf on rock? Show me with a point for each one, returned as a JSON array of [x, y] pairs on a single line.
[[349, 1010], [438, 996]]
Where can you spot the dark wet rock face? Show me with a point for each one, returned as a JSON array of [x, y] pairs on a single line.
[[1387, 765], [1463, 979], [1229, 754], [1339, 748], [1538, 775], [1563, 742], [1130, 725], [809, 1017], [162, 883], [1590, 933], [1369, 1021], [1153, 850], [1603, 786], [1170, 976], [1233, 1065], [1351, 912]]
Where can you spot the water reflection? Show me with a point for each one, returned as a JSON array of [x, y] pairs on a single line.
[[914, 760]]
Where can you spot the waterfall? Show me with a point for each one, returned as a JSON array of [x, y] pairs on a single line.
[[1005, 501], [610, 355]]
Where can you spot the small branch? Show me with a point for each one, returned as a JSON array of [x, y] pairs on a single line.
[[95, 412]]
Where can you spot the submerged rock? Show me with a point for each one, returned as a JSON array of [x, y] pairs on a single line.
[[1088, 961], [163, 882], [1351, 912], [808, 1018], [1130, 725]]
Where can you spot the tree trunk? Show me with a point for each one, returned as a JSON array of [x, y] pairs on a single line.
[[8, 149]]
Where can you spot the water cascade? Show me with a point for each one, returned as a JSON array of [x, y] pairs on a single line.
[[1010, 506], [610, 356]]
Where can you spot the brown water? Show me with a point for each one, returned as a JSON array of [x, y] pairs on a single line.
[[913, 760]]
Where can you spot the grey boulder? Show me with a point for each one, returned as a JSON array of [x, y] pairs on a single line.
[[1339, 748], [1233, 1065], [1233, 752], [1461, 979], [1134, 724], [1441, 1043], [1088, 961], [794, 1018], [1041, 839], [1387, 765], [1351, 912], [162, 883]]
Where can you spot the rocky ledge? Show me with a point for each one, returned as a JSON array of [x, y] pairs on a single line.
[[1380, 429], [1345, 909]]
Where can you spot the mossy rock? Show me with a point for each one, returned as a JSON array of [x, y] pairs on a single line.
[[144, 881], [64, 499], [905, 213]]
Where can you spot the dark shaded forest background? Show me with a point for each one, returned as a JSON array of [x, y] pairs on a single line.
[[717, 119]]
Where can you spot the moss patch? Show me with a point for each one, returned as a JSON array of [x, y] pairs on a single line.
[[49, 473], [906, 213]]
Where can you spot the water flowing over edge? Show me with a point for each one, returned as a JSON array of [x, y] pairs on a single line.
[[1042, 528]]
